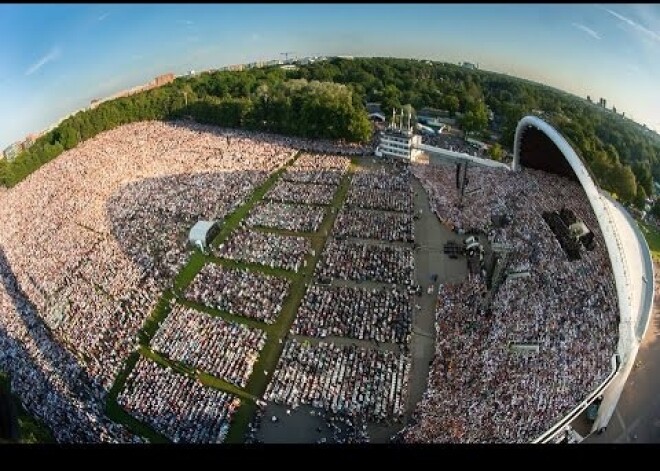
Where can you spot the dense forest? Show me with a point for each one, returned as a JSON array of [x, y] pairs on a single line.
[[326, 100]]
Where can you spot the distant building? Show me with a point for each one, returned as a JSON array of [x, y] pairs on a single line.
[[588, 98], [235, 67], [288, 67], [470, 65], [398, 141], [163, 80], [12, 151]]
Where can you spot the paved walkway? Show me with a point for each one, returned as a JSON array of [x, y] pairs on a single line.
[[429, 260]]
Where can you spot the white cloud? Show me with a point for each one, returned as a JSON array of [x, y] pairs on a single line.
[[186, 22], [255, 36], [636, 26], [587, 30], [54, 54], [104, 16]]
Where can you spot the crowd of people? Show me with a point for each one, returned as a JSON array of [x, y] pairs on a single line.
[[566, 308], [316, 162], [348, 380], [49, 382], [371, 224], [177, 406], [290, 217], [92, 240], [360, 261], [384, 178], [340, 148], [489, 192], [383, 314], [224, 349], [273, 250], [303, 193], [386, 200], [239, 292], [312, 176]]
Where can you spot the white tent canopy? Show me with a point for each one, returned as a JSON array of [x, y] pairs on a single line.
[[201, 232]]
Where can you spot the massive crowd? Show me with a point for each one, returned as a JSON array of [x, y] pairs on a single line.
[[349, 380], [177, 406], [370, 224], [91, 240], [314, 162], [239, 292], [314, 176], [291, 217], [567, 308], [275, 251], [49, 381], [383, 314], [94, 237], [287, 192], [385, 178], [387, 200], [210, 344], [360, 261]]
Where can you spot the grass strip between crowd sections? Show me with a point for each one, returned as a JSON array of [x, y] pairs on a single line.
[[163, 307], [271, 352], [275, 332]]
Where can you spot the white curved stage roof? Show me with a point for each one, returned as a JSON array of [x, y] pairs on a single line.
[[631, 263]]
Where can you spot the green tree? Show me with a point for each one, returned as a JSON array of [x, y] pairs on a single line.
[[474, 120], [451, 104], [640, 197], [496, 152], [624, 184]]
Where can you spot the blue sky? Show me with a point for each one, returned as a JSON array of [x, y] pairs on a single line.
[[55, 58]]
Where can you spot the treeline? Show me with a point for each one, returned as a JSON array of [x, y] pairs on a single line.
[[624, 158], [326, 100], [258, 99]]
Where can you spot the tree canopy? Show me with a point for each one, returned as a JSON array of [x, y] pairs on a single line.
[[326, 100]]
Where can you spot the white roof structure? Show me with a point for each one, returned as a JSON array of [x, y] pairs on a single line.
[[199, 233], [633, 274], [454, 156]]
